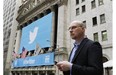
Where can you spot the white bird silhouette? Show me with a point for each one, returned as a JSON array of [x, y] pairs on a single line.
[[33, 35]]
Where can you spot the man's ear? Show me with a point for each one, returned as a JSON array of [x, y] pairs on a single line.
[[83, 29]]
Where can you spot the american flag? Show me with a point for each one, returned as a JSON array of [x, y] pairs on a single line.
[[24, 52], [14, 54]]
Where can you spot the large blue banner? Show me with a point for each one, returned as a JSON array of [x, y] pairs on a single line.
[[39, 60], [37, 32]]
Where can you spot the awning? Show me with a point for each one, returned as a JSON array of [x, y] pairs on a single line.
[[108, 64]]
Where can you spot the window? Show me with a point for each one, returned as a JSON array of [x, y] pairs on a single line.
[[93, 5], [94, 20], [10, 25], [83, 9], [11, 19], [100, 2], [4, 38], [14, 42], [4, 25], [77, 11], [95, 36], [104, 35], [12, 14], [102, 18], [83, 0], [9, 32], [13, 9], [7, 37], [84, 23], [16, 35], [4, 33], [77, 2], [7, 42], [104, 59], [8, 18], [14, 4], [38, 1]]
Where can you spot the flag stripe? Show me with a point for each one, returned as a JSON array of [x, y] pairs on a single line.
[[24, 52]]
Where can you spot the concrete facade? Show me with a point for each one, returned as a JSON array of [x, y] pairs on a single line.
[[10, 9], [28, 12], [105, 7]]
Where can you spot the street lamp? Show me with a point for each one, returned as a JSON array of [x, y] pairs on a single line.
[[58, 53]]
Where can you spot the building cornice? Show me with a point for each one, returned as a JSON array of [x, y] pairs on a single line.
[[33, 8], [39, 68], [107, 46]]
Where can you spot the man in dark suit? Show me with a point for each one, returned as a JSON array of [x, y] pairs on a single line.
[[86, 55]]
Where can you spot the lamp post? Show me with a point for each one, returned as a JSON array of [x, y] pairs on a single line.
[[58, 57], [58, 52]]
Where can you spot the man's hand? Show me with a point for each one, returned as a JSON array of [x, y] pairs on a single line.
[[64, 65]]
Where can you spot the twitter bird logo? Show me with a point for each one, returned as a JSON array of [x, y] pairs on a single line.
[[32, 35]]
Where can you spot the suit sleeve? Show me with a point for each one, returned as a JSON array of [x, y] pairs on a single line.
[[94, 62]]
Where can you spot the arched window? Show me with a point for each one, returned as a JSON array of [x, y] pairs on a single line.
[[105, 59]]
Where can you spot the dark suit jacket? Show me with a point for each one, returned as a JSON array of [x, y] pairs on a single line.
[[87, 60]]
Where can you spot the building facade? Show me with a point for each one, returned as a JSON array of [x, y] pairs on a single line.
[[10, 9], [96, 14], [30, 11]]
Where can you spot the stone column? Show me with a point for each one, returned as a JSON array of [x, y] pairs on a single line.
[[53, 25], [15, 73], [18, 40], [10, 73], [31, 73], [25, 73], [38, 73], [19, 73], [62, 25], [46, 73], [10, 48]]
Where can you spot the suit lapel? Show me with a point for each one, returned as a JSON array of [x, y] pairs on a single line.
[[84, 41]]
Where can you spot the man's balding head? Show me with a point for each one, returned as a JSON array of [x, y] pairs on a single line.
[[77, 30], [78, 23]]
